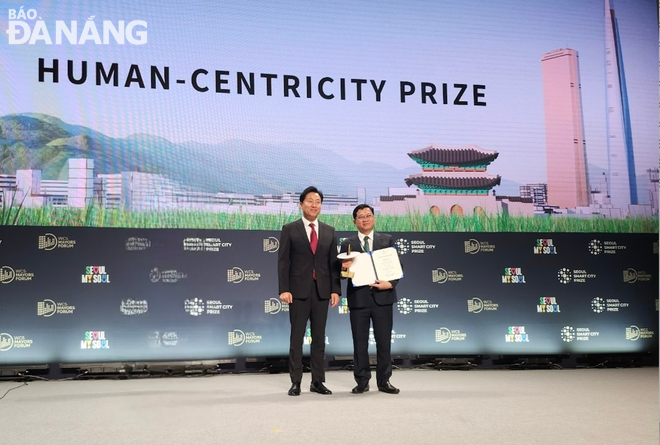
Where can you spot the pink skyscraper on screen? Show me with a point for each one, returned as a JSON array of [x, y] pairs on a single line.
[[566, 158]]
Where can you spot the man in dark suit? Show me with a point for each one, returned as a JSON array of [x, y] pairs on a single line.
[[370, 304], [308, 275]]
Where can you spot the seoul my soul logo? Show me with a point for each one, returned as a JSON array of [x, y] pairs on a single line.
[[95, 275], [516, 334], [513, 275], [94, 340], [27, 27], [548, 305], [545, 246]]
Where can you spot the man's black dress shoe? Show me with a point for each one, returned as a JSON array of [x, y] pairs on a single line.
[[319, 387], [295, 389], [388, 388], [360, 389]]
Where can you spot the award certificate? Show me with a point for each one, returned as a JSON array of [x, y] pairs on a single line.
[[381, 264]]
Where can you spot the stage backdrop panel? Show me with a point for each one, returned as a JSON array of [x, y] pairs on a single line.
[[83, 294]]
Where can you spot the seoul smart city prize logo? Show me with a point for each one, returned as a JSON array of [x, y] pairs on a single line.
[[204, 244], [402, 246], [597, 247], [570, 333], [566, 275], [418, 306], [600, 305], [404, 305]]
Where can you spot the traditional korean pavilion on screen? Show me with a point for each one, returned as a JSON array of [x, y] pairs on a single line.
[[453, 180]]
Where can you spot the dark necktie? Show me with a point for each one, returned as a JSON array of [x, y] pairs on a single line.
[[366, 244]]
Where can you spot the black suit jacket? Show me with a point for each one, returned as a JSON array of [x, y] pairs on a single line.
[[360, 296], [296, 261]]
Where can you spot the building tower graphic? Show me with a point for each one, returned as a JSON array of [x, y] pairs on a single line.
[[566, 158], [622, 183]]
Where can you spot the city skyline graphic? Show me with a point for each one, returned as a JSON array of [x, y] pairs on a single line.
[[243, 116]]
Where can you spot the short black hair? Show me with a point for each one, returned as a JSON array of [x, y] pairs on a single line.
[[308, 190], [360, 207]]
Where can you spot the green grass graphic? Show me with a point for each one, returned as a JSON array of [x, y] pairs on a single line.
[[94, 216]]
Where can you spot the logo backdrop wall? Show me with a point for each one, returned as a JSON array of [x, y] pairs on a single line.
[[80, 294]]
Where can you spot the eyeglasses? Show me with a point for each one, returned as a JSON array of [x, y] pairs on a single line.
[[364, 217]]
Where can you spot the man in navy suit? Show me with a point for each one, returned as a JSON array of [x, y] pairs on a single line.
[[308, 276], [368, 305]]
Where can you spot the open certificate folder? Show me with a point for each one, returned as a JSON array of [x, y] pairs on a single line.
[[381, 264]]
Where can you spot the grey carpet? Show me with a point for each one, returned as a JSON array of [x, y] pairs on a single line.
[[494, 407]]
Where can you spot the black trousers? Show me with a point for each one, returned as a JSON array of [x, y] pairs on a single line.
[[314, 309], [361, 319]]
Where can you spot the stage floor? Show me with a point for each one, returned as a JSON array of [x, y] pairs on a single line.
[[492, 407]]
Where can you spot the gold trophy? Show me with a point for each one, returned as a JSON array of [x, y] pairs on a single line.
[[348, 255]]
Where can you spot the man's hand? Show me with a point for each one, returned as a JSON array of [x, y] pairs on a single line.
[[286, 297], [345, 264], [334, 300], [382, 285]]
